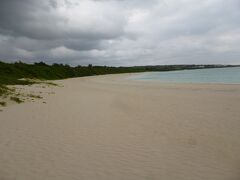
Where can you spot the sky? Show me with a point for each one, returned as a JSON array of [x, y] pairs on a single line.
[[120, 32]]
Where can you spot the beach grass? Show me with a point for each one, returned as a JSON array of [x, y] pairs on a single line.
[[2, 103], [5, 91], [16, 99], [34, 96]]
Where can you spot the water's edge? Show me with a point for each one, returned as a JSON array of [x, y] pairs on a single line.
[[206, 76]]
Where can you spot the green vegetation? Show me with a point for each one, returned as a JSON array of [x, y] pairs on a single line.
[[3, 90], [2, 103], [34, 96], [20, 73], [16, 99], [51, 83]]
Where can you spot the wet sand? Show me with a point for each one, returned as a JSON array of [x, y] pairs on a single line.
[[110, 128]]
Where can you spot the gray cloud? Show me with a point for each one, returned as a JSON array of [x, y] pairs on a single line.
[[120, 32]]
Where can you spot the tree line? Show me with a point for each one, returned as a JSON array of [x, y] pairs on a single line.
[[10, 73]]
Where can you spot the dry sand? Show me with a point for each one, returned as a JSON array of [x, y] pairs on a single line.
[[108, 128]]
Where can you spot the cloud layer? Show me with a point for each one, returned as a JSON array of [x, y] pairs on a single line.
[[120, 32]]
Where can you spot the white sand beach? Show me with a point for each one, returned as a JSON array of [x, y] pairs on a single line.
[[110, 128]]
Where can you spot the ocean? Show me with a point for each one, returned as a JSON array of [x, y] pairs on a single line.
[[229, 75]]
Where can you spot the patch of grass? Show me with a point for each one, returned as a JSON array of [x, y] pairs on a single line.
[[51, 83], [3, 90], [20, 73], [16, 99], [8, 80], [2, 103], [34, 96]]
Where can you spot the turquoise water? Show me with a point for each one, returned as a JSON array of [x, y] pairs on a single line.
[[215, 75]]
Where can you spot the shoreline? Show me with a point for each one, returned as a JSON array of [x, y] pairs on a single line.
[[198, 76], [107, 127]]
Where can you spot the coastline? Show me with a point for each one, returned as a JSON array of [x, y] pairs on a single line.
[[198, 76], [110, 127]]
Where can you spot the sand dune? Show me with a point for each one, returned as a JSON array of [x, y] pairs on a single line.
[[108, 128]]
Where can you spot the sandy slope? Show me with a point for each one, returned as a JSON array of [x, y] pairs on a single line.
[[105, 128]]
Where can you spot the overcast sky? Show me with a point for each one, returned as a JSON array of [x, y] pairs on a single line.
[[120, 32]]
